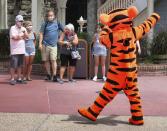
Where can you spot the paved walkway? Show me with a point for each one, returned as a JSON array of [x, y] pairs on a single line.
[[45, 98], [47, 122]]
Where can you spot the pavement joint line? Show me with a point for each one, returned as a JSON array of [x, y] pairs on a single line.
[[49, 106], [42, 123]]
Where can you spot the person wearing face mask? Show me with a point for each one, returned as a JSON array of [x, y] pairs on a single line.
[[18, 34], [68, 41], [48, 39], [30, 50]]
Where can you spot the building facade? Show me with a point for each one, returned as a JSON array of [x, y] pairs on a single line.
[[69, 11]]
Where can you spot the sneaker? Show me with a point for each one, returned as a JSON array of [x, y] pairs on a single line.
[[21, 82], [61, 81], [72, 80], [55, 79], [95, 78], [104, 78], [48, 77], [12, 82]]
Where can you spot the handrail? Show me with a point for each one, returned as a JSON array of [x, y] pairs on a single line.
[[114, 4]]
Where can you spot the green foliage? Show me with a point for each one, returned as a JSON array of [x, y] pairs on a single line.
[[4, 44], [159, 45], [83, 35], [38, 58]]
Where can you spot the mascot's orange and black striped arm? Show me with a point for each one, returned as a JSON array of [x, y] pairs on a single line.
[[120, 37]]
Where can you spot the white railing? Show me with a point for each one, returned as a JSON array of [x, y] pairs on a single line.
[[114, 4]]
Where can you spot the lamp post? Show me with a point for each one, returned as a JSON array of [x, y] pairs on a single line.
[[81, 22]]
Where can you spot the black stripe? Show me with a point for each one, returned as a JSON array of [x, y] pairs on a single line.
[[127, 23], [118, 18], [112, 82], [127, 51], [106, 30], [127, 60], [134, 111], [143, 31], [116, 89], [114, 25], [134, 32], [144, 25], [149, 25], [112, 47], [130, 87], [127, 69], [134, 102], [104, 97], [116, 10], [136, 90], [97, 104], [120, 41], [108, 91], [129, 79], [112, 72], [155, 17], [92, 112], [111, 37], [113, 55], [135, 80], [137, 118], [133, 95], [127, 42], [150, 21], [114, 64]]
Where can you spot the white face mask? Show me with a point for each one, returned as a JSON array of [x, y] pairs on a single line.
[[19, 24], [51, 18], [29, 28]]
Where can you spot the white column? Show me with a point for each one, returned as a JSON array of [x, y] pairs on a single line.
[[3, 14], [61, 4], [37, 16], [150, 10]]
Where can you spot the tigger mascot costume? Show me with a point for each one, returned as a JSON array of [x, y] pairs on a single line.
[[120, 37]]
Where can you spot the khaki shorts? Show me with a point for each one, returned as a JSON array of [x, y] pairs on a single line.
[[49, 53]]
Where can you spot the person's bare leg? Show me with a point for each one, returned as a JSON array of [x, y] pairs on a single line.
[[103, 61], [12, 73], [19, 69], [54, 67], [71, 72], [96, 65], [25, 68], [47, 66], [62, 70], [31, 59]]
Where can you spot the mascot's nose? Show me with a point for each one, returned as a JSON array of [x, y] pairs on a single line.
[[104, 19]]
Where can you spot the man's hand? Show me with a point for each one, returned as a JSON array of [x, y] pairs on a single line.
[[40, 46]]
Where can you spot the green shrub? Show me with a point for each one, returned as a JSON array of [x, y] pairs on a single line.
[[159, 45]]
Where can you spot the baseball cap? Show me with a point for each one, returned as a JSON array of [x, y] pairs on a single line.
[[19, 18]]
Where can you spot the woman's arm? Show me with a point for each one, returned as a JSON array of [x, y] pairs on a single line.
[[75, 41], [61, 39], [35, 40]]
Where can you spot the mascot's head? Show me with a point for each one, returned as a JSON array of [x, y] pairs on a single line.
[[119, 18]]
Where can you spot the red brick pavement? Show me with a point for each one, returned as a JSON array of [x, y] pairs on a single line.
[[39, 96]]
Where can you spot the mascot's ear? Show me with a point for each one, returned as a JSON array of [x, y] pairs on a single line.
[[104, 19], [132, 12]]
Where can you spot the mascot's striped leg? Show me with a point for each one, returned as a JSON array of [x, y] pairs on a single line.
[[133, 95], [105, 96]]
